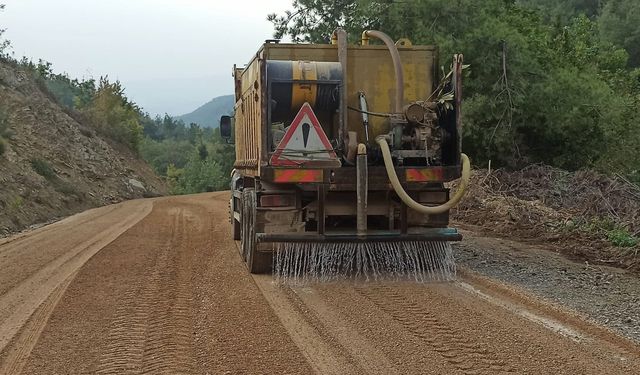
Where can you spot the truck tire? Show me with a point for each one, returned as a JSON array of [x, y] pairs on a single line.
[[257, 262]]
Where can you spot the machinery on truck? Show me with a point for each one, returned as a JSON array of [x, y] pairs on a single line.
[[342, 145]]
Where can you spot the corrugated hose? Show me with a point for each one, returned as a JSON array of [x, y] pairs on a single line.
[[395, 182]]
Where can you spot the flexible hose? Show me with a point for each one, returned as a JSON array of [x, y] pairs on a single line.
[[397, 65], [429, 210]]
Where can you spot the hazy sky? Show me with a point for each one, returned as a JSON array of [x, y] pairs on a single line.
[[171, 55]]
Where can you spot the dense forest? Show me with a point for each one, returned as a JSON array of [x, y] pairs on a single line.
[[554, 82]]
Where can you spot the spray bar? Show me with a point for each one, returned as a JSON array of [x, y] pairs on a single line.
[[435, 234]]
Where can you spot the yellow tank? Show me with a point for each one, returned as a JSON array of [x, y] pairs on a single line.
[[369, 69]]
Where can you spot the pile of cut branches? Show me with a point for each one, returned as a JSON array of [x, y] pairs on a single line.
[[584, 214]]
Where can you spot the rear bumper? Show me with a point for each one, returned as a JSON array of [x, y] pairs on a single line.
[[434, 234], [344, 178]]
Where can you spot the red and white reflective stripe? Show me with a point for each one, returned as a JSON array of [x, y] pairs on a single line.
[[423, 174], [277, 200], [297, 175]]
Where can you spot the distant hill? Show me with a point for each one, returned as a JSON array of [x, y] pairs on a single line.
[[208, 115]]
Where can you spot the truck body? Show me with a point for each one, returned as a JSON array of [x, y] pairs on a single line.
[[340, 191]]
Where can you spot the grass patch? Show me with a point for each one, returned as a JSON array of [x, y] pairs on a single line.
[[66, 188], [16, 204], [43, 168], [616, 234], [620, 237]]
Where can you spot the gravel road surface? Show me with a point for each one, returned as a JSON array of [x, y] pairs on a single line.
[[157, 287]]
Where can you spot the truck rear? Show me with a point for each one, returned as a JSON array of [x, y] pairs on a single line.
[[342, 155]]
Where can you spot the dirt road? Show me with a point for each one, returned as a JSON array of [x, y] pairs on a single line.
[[157, 286]]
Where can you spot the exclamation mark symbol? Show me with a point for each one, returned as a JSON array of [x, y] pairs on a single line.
[[305, 133]]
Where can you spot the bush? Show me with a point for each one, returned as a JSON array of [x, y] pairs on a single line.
[[616, 234], [622, 238], [199, 176], [43, 168], [66, 188]]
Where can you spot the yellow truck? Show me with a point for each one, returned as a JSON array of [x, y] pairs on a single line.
[[342, 155]]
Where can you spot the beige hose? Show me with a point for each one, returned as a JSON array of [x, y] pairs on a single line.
[[397, 65], [393, 178]]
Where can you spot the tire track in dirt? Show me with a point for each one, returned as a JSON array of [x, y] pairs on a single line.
[[169, 296], [22, 300], [308, 334], [448, 341], [518, 339], [24, 343], [151, 331], [30, 237], [64, 235], [168, 345], [368, 357], [124, 349]]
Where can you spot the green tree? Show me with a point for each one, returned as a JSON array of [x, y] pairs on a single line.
[[161, 154], [113, 115], [191, 158], [562, 11], [202, 151], [199, 176], [620, 24], [536, 92]]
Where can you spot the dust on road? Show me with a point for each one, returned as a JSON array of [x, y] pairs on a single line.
[[157, 286]]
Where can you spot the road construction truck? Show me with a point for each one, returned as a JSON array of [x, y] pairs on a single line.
[[343, 151]]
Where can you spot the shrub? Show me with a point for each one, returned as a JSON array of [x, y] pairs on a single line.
[[43, 168], [622, 238], [16, 204], [67, 189]]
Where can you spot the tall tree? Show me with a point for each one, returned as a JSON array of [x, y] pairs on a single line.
[[564, 10], [620, 24], [535, 92]]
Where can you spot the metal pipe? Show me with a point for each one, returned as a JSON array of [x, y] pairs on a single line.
[[362, 186], [364, 108], [431, 234], [343, 133], [352, 147], [397, 65]]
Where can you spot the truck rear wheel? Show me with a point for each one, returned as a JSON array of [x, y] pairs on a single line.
[[257, 262]]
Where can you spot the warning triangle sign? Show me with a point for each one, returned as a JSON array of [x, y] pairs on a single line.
[[305, 144]]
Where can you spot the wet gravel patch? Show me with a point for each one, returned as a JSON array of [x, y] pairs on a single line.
[[606, 295]]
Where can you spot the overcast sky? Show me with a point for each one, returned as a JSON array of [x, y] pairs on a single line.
[[171, 55]]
